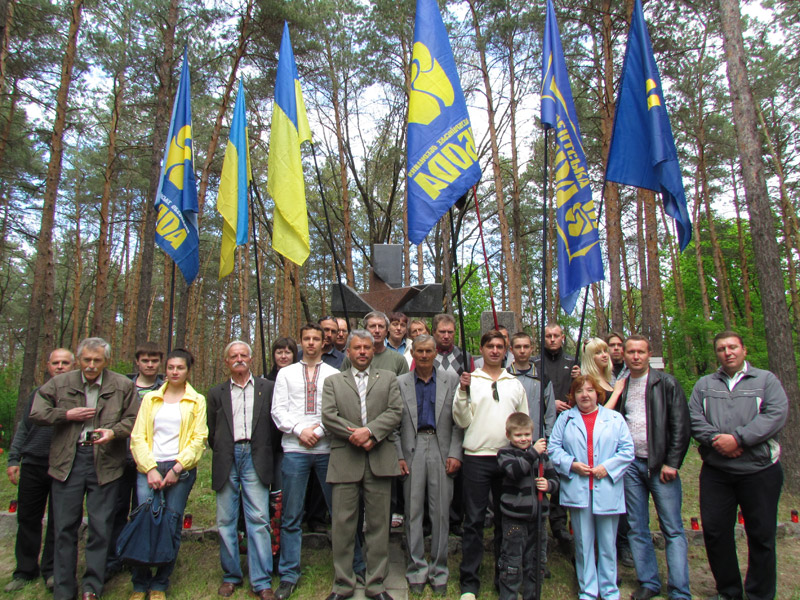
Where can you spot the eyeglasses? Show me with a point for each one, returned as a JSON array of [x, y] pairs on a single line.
[[495, 395]]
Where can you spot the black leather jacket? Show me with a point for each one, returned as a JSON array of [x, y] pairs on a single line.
[[668, 423]]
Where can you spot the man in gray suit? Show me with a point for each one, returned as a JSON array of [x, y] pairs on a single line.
[[361, 408], [429, 452]]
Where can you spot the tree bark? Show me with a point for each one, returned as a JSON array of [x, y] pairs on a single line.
[[511, 267], [654, 292], [160, 131], [99, 318], [41, 307], [745, 268], [777, 326]]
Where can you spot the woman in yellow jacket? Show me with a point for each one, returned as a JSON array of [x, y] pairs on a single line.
[[167, 441]]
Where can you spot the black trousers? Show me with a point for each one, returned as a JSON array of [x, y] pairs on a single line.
[[32, 500], [482, 476], [757, 495], [517, 563]]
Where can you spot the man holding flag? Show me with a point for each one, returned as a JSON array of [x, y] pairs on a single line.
[[580, 261], [176, 199], [285, 168], [232, 197]]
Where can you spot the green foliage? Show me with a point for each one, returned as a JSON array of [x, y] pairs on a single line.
[[8, 403]]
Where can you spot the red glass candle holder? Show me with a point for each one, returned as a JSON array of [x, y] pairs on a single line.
[[794, 516], [695, 524], [12, 506], [187, 521], [741, 518]]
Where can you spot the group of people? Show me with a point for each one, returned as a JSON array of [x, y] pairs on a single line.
[[394, 419]]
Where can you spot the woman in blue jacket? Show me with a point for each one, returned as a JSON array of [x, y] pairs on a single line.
[[591, 448]]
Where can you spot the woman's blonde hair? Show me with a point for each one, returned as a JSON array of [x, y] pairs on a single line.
[[589, 367]]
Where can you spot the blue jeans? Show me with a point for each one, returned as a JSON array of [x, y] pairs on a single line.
[[143, 578], [296, 469], [243, 482], [667, 497]]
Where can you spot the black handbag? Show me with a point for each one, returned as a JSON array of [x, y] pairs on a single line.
[[149, 537]]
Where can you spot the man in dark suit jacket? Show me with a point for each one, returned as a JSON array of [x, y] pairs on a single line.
[[361, 407], [241, 434], [430, 452]]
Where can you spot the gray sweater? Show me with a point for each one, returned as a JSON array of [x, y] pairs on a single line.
[[754, 412]]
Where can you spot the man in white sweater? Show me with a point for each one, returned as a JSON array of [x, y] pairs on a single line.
[[483, 402]]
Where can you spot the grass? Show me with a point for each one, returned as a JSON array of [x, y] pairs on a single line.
[[198, 572]]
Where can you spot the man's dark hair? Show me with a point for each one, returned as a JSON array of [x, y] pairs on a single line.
[[490, 335], [314, 326], [637, 337], [150, 349], [613, 334], [728, 333]]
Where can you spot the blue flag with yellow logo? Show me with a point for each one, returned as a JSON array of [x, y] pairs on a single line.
[[234, 180], [642, 150], [580, 261], [441, 161], [176, 199]]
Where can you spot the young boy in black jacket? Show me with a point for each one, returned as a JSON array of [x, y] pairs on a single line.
[[519, 506]]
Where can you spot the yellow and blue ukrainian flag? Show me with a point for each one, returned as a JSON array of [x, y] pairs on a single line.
[[232, 196], [176, 199], [580, 261], [642, 151], [441, 162], [285, 181]]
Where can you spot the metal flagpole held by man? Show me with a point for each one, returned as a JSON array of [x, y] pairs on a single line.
[[580, 261]]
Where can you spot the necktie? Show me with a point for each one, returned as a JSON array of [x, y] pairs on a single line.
[[361, 382]]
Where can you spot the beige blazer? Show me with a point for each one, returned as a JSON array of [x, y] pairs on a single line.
[[341, 408]]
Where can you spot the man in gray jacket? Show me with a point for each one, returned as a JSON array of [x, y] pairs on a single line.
[[429, 450], [737, 413], [92, 412]]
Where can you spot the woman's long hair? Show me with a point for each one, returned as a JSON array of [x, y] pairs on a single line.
[[589, 367]]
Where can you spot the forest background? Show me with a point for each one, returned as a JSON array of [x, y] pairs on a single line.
[[86, 89]]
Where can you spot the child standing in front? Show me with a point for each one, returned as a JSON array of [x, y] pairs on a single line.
[[519, 505]]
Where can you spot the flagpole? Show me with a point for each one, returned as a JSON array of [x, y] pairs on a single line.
[[260, 307], [485, 256], [171, 307], [540, 433], [467, 366], [330, 232]]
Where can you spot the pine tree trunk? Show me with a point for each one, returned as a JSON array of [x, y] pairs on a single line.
[[641, 258], [7, 20], [160, 131], [680, 295], [76, 288], [748, 304], [777, 327], [100, 319], [42, 302], [611, 191], [655, 293], [512, 269], [698, 255], [343, 185]]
